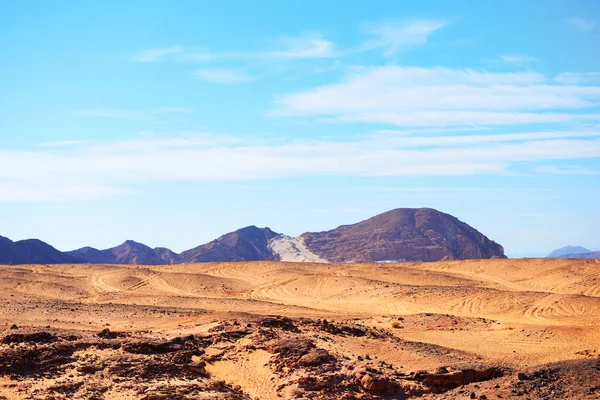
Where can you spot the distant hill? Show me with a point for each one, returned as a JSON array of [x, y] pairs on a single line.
[[31, 251], [568, 250], [404, 234], [246, 244], [591, 255], [129, 252], [422, 234]]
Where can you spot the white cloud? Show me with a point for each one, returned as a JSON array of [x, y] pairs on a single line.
[[222, 75], [567, 170], [308, 45], [581, 24], [415, 96], [115, 167], [305, 46], [397, 36], [389, 36], [578, 77], [152, 55]]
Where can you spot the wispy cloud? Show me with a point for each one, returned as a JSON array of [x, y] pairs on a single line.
[[582, 24], [228, 67], [578, 77], [308, 45], [117, 167], [231, 67], [416, 96], [567, 170], [222, 75], [396, 36], [151, 55]]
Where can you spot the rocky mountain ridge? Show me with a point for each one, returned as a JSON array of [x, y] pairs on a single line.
[[402, 234]]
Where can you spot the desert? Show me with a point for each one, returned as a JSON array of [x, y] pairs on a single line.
[[493, 328], [264, 200]]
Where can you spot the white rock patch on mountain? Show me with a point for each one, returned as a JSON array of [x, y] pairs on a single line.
[[293, 249]]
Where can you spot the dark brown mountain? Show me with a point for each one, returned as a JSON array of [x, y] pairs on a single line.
[[92, 255], [31, 251], [246, 244], [421, 234], [129, 252], [166, 255]]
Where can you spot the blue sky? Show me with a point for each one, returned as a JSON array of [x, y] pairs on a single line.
[[172, 123]]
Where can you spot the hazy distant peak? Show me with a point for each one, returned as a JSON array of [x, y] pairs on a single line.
[[567, 250]]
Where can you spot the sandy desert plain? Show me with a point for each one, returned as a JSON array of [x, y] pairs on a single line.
[[498, 328]]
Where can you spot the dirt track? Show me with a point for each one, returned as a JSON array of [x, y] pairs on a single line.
[[514, 313]]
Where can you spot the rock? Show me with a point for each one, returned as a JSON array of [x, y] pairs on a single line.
[[278, 322], [290, 347], [315, 357], [450, 380], [487, 374], [523, 376], [456, 378], [380, 385], [36, 337], [107, 334], [163, 347]]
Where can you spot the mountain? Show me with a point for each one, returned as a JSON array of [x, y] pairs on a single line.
[[166, 255], [421, 234], [129, 252], [589, 255], [568, 250], [31, 251], [246, 244]]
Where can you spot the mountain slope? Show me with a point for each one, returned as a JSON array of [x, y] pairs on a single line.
[[407, 234], [129, 252], [420, 234], [246, 244], [31, 251], [589, 255], [568, 250]]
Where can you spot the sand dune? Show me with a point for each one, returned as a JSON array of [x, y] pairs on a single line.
[[515, 313], [553, 292]]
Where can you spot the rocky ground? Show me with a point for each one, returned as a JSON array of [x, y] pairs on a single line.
[[71, 364], [490, 329]]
